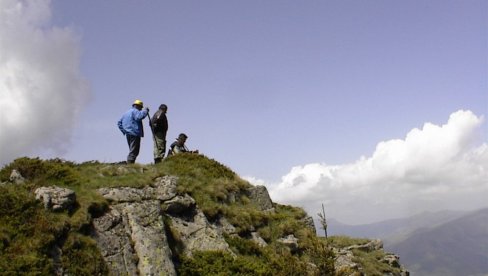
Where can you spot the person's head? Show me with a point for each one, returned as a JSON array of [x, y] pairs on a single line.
[[163, 108], [138, 104], [182, 138]]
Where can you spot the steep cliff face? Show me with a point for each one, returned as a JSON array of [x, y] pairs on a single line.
[[166, 226]]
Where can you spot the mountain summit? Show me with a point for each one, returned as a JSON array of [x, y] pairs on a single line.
[[188, 215]]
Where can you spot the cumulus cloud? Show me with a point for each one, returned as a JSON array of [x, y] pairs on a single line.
[[436, 167], [41, 88]]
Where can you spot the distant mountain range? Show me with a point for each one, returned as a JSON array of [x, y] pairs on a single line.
[[432, 243]]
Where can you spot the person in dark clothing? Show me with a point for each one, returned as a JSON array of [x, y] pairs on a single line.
[[178, 146], [131, 126], [159, 124]]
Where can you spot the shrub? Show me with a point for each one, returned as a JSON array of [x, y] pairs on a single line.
[[82, 257], [39, 172], [27, 232]]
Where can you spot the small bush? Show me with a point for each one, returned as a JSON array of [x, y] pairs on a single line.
[[43, 173], [243, 246], [27, 232], [220, 263], [82, 257]]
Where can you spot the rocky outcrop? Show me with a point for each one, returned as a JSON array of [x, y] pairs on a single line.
[[144, 228], [164, 188], [56, 198], [371, 246], [197, 234], [345, 263], [290, 241], [16, 177], [132, 234], [259, 195], [112, 234]]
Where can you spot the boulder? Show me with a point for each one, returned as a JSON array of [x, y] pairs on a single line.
[[225, 227], [163, 189], [259, 195], [111, 232], [133, 241], [179, 205], [392, 260], [371, 246], [290, 241], [56, 198], [16, 177], [149, 238], [258, 240], [344, 262], [197, 234]]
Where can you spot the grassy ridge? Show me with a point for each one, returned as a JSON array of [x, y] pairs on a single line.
[[29, 235]]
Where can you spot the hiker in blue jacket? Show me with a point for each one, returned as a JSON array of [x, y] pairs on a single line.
[[131, 126]]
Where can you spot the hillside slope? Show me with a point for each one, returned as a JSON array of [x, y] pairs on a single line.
[[188, 215], [458, 247]]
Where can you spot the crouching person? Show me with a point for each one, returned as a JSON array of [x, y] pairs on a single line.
[[178, 146]]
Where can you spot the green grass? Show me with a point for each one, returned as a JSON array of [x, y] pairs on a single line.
[[344, 241], [29, 234], [371, 262]]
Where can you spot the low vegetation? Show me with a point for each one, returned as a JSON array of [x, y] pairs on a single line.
[[32, 238]]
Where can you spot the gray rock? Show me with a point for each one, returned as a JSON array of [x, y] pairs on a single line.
[[259, 195], [371, 246], [225, 227], [290, 241], [56, 198], [344, 261], [345, 264], [392, 260], [163, 189], [16, 177], [197, 234], [179, 204], [132, 234], [133, 241], [112, 234], [149, 238], [258, 240]]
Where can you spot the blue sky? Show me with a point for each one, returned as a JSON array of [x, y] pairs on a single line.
[[276, 90]]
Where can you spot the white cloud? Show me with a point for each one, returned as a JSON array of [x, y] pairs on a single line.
[[436, 167], [41, 88]]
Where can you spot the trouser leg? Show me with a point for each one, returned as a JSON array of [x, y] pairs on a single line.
[[159, 147], [134, 143]]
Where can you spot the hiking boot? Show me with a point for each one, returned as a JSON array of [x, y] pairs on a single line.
[[157, 160]]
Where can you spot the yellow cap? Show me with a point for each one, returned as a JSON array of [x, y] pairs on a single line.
[[138, 102]]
